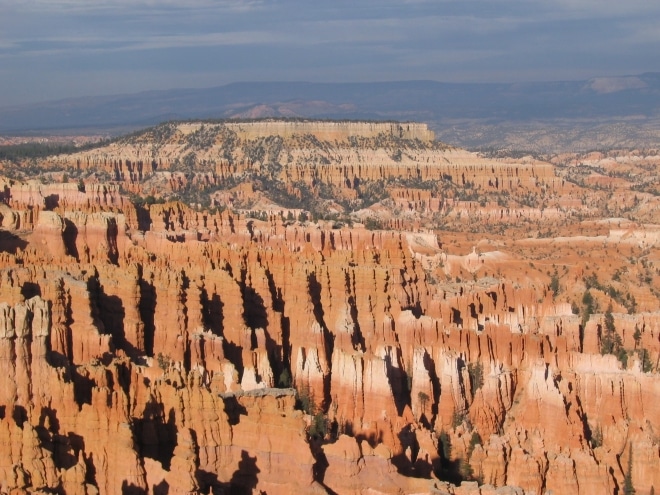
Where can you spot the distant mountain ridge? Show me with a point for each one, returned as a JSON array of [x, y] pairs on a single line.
[[442, 105]]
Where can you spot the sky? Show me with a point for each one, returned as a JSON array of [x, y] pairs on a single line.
[[54, 49]]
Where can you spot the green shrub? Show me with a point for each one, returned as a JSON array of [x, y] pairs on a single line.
[[372, 223], [319, 427], [305, 401], [554, 284], [647, 365], [423, 399], [445, 445], [284, 380], [465, 469], [476, 372], [164, 362], [475, 440], [458, 418], [597, 438]]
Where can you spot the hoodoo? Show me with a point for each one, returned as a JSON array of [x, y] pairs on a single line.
[[328, 307]]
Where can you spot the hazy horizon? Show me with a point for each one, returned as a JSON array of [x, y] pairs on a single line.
[[69, 48]]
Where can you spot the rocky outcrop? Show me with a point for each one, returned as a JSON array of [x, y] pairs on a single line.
[[151, 342], [170, 349], [327, 131], [344, 155]]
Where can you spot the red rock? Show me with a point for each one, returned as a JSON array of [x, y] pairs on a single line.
[[152, 353]]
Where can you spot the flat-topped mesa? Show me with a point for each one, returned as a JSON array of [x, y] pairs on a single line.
[[327, 131], [201, 156], [208, 147]]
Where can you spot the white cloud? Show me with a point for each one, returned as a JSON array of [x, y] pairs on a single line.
[[67, 6], [98, 44], [597, 9], [333, 40]]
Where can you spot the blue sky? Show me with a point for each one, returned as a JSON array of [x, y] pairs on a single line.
[[53, 49]]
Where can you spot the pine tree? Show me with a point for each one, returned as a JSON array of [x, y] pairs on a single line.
[[610, 341], [628, 488], [637, 336]]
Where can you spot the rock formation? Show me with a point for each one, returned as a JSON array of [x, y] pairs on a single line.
[[164, 348]]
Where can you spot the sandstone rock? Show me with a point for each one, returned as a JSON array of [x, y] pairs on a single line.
[[140, 345]]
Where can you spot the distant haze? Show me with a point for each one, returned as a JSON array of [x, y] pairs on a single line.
[[595, 113], [69, 48]]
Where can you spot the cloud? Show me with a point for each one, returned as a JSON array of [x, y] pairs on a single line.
[[608, 8], [100, 44], [90, 6], [154, 33], [104, 41]]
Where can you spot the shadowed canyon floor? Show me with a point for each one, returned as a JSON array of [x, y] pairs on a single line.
[[328, 307]]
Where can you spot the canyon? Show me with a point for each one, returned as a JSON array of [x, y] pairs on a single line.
[[328, 307]]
